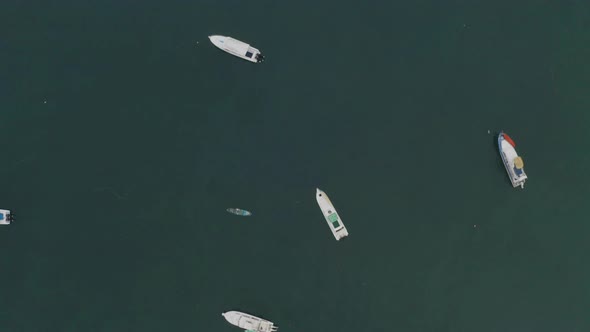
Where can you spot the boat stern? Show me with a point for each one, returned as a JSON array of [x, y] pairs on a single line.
[[5, 217]]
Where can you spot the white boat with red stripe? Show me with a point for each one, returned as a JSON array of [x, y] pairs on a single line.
[[512, 161]]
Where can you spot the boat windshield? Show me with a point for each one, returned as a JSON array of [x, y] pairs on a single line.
[[334, 219]]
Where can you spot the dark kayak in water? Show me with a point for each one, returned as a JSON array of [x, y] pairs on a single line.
[[239, 212]]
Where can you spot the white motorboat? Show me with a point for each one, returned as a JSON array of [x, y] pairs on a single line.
[[5, 217], [512, 161], [237, 48], [332, 217], [249, 322]]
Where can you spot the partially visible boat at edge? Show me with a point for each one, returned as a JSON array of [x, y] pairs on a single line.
[[239, 212], [512, 161], [5, 217], [332, 217], [237, 48], [248, 322]]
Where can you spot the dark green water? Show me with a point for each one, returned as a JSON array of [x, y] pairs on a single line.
[[121, 179]]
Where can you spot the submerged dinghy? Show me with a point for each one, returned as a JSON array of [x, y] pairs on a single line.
[[239, 212]]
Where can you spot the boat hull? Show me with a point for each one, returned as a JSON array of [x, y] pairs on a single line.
[[508, 154], [249, 322], [331, 215], [237, 48]]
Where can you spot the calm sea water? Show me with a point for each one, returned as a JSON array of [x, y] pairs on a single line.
[[125, 135]]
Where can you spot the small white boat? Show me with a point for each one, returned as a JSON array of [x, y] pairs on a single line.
[[331, 215], [512, 161], [249, 322], [5, 217], [237, 48]]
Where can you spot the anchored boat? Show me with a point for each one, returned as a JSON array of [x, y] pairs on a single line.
[[331, 215], [237, 48], [249, 322], [512, 161], [5, 217], [239, 212]]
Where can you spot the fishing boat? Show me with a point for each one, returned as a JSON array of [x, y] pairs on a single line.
[[5, 217], [248, 322], [237, 48], [332, 217], [239, 212], [512, 161]]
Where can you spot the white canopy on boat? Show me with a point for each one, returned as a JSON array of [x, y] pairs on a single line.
[[237, 46]]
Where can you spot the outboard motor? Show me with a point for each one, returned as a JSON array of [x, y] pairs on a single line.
[[259, 57]]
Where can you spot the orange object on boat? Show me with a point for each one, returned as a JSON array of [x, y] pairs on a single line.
[[507, 138]]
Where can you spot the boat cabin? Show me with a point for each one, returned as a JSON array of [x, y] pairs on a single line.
[[333, 217]]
